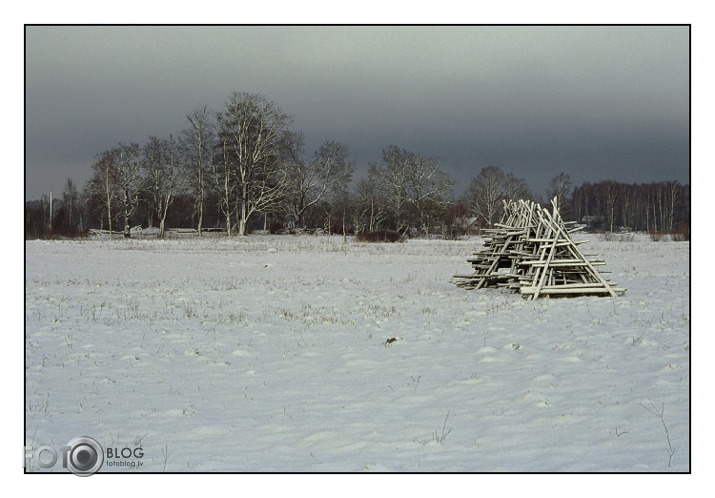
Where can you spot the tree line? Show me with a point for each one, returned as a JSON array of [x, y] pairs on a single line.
[[655, 207], [244, 168]]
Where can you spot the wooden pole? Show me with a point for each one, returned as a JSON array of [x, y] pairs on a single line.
[[50, 212]]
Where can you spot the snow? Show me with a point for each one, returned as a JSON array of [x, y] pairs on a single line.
[[273, 353]]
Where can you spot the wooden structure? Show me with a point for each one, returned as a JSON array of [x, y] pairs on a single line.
[[531, 251]]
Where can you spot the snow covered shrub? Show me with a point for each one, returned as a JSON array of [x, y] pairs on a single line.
[[619, 237], [658, 236]]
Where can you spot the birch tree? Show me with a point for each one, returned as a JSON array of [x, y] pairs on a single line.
[[223, 173], [560, 187], [197, 142], [610, 198], [339, 207], [370, 203], [253, 132], [101, 191], [673, 190], [160, 164], [127, 162]]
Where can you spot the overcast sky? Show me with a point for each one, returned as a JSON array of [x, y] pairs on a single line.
[[595, 102]]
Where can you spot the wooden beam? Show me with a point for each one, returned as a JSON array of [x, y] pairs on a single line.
[[581, 291]]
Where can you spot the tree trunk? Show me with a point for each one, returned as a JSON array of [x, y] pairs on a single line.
[[242, 220], [228, 222], [162, 222], [372, 214], [201, 211], [243, 216], [109, 204], [127, 214]]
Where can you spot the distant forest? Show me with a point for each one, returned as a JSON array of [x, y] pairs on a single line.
[[243, 169]]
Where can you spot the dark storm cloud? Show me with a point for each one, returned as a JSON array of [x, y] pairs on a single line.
[[595, 102]]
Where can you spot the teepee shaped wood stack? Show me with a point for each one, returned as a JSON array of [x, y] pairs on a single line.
[[532, 251]]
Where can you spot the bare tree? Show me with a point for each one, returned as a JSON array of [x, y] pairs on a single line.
[[626, 193], [339, 207], [128, 166], [516, 188], [485, 193], [427, 189], [413, 187], [309, 182], [391, 177], [102, 188], [253, 133], [673, 190], [560, 187], [370, 203], [652, 207], [611, 198], [70, 199], [196, 143], [160, 164], [225, 185]]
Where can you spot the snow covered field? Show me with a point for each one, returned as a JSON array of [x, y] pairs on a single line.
[[270, 353]]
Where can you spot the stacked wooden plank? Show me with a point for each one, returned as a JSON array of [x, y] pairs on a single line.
[[531, 251]]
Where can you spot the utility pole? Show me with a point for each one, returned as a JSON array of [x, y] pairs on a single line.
[[50, 212]]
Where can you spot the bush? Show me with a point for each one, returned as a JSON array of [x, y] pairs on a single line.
[[682, 232], [277, 227], [619, 237], [379, 236]]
